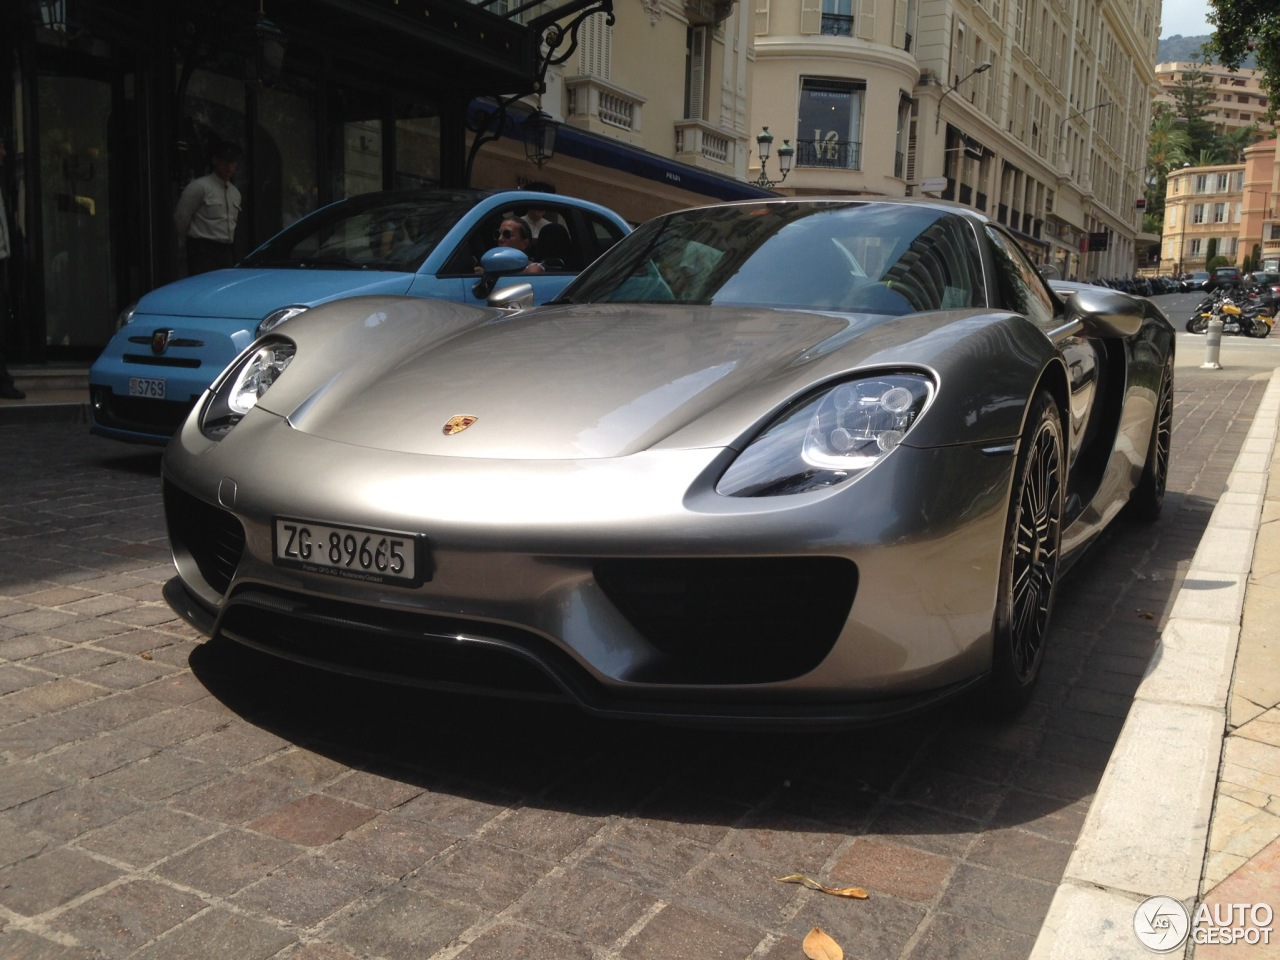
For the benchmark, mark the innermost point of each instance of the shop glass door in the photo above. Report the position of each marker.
(74, 161)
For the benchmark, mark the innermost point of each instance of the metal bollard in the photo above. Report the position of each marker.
(1212, 345)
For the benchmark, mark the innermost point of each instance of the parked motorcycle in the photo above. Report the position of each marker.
(1252, 320)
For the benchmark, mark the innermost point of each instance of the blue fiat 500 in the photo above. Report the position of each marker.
(172, 344)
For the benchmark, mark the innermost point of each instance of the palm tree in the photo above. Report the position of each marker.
(1233, 142)
(1167, 143)
(1167, 146)
(1209, 157)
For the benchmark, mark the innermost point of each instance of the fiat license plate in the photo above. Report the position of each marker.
(353, 553)
(148, 387)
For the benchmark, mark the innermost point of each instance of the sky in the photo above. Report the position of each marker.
(1185, 18)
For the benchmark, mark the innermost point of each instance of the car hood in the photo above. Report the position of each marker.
(564, 382)
(251, 293)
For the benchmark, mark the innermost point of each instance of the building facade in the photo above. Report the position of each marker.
(1202, 217)
(1231, 210)
(1238, 98)
(652, 107)
(1260, 204)
(1033, 111)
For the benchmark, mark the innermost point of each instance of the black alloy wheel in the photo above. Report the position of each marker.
(1148, 496)
(1029, 568)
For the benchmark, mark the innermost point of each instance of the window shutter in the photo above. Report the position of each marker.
(762, 17)
(811, 16)
(910, 172)
(866, 25)
(595, 48)
(697, 72)
(899, 24)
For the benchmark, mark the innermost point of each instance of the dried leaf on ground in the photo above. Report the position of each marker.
(145, 655)
(818, 946)
(853, 893)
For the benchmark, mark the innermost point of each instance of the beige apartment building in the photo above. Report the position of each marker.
(1231, 209)
(653, 111)
(1238, 97)
(1033, 111)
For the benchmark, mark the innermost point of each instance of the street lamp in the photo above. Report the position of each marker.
(785, 153)
(983, 67)
(1062, 127)
(266, 66)
(540, 137)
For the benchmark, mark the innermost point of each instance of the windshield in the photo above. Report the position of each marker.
(369, 232)
(846, 256)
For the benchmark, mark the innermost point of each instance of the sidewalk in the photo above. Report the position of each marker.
(54, 394)
(1189, 804)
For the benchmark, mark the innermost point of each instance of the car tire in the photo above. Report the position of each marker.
(1030, 562)
(1148, 496)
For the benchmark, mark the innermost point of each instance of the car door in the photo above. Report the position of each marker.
(1023, 290)
(456, 277)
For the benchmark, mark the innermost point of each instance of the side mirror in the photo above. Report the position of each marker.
(1105, 314)
(513, 299)
(496, 263)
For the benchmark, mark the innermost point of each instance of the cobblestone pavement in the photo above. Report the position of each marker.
(164, 798)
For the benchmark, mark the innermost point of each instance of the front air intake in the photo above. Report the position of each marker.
(736, 620)
(212, 537)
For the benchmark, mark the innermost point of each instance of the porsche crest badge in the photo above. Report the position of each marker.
(457, 425)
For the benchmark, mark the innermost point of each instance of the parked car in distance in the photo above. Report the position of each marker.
(1266, 283)
(1224, 277)
(1191, 282)
(171, 345)
(794, 460)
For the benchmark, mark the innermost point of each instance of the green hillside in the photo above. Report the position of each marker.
(1179, 47)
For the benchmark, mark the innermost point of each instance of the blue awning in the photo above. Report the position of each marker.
(607, 152)
(616, 155)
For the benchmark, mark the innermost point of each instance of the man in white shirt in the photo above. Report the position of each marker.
(207, 212)
(536, 217)
(7, 388)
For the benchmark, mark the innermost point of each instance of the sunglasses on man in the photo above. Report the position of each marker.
(504, 234)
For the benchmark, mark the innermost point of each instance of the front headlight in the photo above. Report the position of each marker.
(126, 315)
(241, 385)
(830, 438)
(277, 317)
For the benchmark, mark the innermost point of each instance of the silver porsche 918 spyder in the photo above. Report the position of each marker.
(815, 461)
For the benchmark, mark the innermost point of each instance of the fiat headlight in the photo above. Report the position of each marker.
(277, 317)
(126, 315)
(831, 437)
(243, 384)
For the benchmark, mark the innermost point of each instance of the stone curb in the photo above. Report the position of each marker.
(1147, 830)
(11, 413)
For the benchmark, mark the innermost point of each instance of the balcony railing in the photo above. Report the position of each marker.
(836, 25)
(833, 154)
(697, 139)
(593, 99)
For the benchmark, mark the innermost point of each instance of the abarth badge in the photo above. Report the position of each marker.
(457, 425)
(160, 340)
